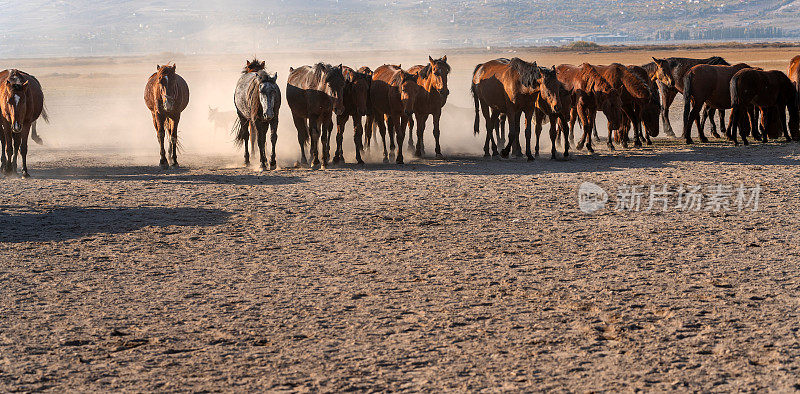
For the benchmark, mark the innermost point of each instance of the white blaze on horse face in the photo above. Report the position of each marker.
(16, 99)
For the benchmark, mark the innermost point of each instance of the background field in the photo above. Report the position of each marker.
(460, 273)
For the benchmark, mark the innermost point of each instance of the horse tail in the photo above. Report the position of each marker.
(241, 131)
(735, 99)
(687, 95)
(474, 89)
(34, 134)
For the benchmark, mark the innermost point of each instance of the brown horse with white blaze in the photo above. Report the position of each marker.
(21, 103)
(314, 93)
(432, 77)
(166, 96)
(356, 101)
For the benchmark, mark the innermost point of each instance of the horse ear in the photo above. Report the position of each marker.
(444, 58)
(274, 76)
(158, 67)
(430, 59)
(291, 69)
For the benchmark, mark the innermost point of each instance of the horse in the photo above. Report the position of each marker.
(356, 100)
(257, 99)
(707, 85)
(669, 74)
(221, 119)
(509, 87)
(555, 113)
(166, 96)
(650, 111)
(772, 92)
(634, 95)
(794, 74)
(591, 92)
(314, 93)
(433, 79)
(21, 104)
(392, 95)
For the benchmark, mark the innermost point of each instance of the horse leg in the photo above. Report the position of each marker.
(564, 127)
(411, 129)
(501, 130)
(390, 125)
(588, 123)
(358, 131)
(8, 146)
(338, 156)
(491, 123)
(382, 130)
(437, 116)
(160, 120)
(752, 114)
(314, 129)
(782, 119)
(734, 123)
(327, 130)
(400, 125)
(173, 126)
(274, 141)
(528, 125)
(667, 97)
(23, 150)
(700, 131)
(421, 120)
(302, 136)
(512, 133)
(4, 143)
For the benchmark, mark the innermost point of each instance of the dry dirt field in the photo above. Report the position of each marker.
(461, 274)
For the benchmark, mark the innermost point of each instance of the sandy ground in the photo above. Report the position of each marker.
(456, 274)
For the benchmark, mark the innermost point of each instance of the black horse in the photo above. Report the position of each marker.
(258, 101)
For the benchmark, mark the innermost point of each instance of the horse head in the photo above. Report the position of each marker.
(212, 112)
(550, 88)
(663, 72)
(611, 104)
(358, 85)
(436, 72)
(15, 92)
(167, 83)
(334, 82)
(651, 113)
(268, 93)
(254, 66)
(408, 86)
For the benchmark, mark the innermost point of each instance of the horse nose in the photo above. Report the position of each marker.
(16, 127)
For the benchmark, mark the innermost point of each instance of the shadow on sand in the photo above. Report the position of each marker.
(152, 173)
(64, 223)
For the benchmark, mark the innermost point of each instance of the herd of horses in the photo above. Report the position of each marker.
(391, 100)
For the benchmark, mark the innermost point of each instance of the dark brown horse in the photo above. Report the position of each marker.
(634, 95)
(771, 91)
(591, 93)
(313, 94)
(21, 103)
(706, 85)
(510, 87)
(558, 114)
(166, 96)
(669, 74)
(433, 79)
(257, 99)
(356, 101)
(392, 95)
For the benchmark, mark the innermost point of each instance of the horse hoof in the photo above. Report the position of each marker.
(689, 141)
(418, 153)
(164, 166)
(439, 156)
(590, 149)
(611, 147)
(175, 165)
(637, 144)
(385, 160)
(25, 175)
(531, 158)
(359, 161)
(273, 166)
(399, 161)
(703, 140)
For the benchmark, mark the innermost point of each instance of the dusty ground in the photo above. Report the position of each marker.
(459, 274)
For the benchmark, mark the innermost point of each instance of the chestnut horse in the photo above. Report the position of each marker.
(794, 74)
(651, 110)
(166, 96)
(21, 103)
(707, 85)
(773, 92)
(669, 74)
(392, 95)
(558, 115)
(313, 94)
(433, 79)
(258, 101)
(591, 92)
(634, 95)
(510, 87)
(356, 100)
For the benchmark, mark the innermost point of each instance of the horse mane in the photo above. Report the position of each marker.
(402, 75)
(527, 72)
(594, 79)
(632, 82)
(254, 66)
(716, 60)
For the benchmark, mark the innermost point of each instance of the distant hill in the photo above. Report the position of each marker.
(82, 27)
